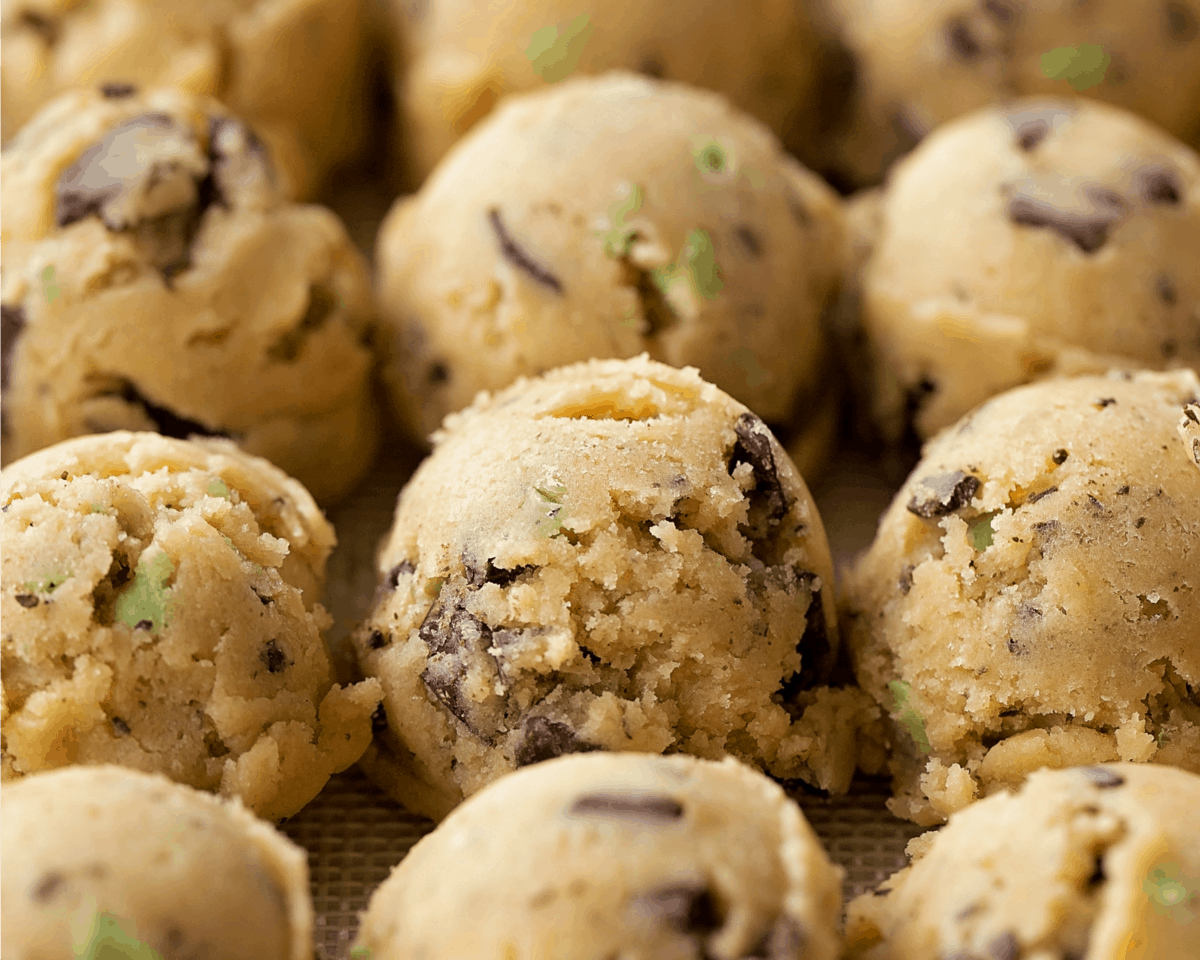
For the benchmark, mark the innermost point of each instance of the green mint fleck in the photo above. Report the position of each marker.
(147, 598)
(49, 287)
(98, 508)
(550, 523)
(108, 941)
(48, 583)
(980, 531)
(1082, 66)
(553, 495)
(619, 238)
(360, 953)
(218, 489)
(1172, 892)
(555, 51)
(744, 357)
(701, 268)
(631, 319)
(1162, 735)
(909, 718)
(711, 157)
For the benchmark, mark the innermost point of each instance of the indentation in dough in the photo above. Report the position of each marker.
(608, 406)
(657, 314)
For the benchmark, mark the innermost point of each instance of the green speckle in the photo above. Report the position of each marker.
(744, 357)
(555, 51)
(107, 941)
(360, 953)
(711, 158)
(1082, 66)
(619, 238)
(702, 262)
(1172, 892)
(48, 583)
(980, 531)
(909, 718)
(631, 319)
(433, 587)
(98, 508)
(147, 597)
(218, 489)
(549, 524)
(553, 495)
(49, 287)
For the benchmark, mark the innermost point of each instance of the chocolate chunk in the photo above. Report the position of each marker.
(1095, 504)
(1031, 133)
(1182, 25)
(322, 304)
(377, 640)
(12, 323)
(657, 313)
(785, 941)
(48, 887)
(273, 657)
(816, 652)
(1102, 402)
(545, 739)
(519, 258)
(1060, 457)
(1098, 876)
(166, 422)
(457, 642)
(379, 720)
(1123, 491)
(437, 374)
(117, 90)
(651, 67)
(27, 600)
(767, 498)
(144, 625)
(962, 39)
(1087, 229)
(1102, 778)
(1016, 649)
(502, 577)
(1164, 286)
(1158, 184)
(905, 581)
(749, 240)
(120, 727)
(686, 907)
(647, 808)
(1140, 522)
(1041, 494)
(943, 494)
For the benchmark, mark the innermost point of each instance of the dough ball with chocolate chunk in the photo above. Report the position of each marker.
(1032, 597)
(1095, 861)
(294, 69)
(606, 217)
(160, 612)
(110, 862)
(459, 58)
(916, 64)
(156, 279)
(615, 556)
(1035, 239)
(635, 856)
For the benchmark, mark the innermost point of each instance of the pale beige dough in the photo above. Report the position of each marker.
(1033, 593)
(605, 217)
(154, 277)
(641, 857)
(1034, 239)
(614, 556)
(160, 611)
(1093, 862)
(100, 858)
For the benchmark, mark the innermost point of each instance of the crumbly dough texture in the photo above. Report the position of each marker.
(154, 277)
(159, 611)
(1092, 862)
(917, 64)
(112, 858)
(642, 857)
(615, 556)
(459, 58)
(606, 217)
(294, 69)
(1032, 595)
(1039, 238)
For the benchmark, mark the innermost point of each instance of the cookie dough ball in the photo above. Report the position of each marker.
(159, 609)
(607, 217)
(630, 855)
(1044, 237)
(615, 556)
(1032, 594)
(921, 63)
(1099, 861)
(154, 278)
(460, 57)
(294, 69)
(119, 863)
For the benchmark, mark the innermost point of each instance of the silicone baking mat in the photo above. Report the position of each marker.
(355, 835)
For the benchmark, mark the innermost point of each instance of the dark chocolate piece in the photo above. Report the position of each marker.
(1041, 494)
(687, 908)
(651, 67)
(437, 374)
(749, 239)
(44, 27)
(117, 91)
(377, 640)
(379, 720)
(322, 304)
(1158, 184)
(943, 494)
(519, 258)
(166, 422)
(1032, 133)
(1182, 25)
(120, 727)
(1098, 876)
(502, 577)
(48, 887)
(767, 498)
(1087, 229)
(816, 652)
(27, 600)
(452, 634)
(962, 40)
(905, 581)
(545, 739)
(1060, 457)
(1102, 777)
(12, 323)
(273, 657)
(647, 808)
(144, 625)
(1016, 649)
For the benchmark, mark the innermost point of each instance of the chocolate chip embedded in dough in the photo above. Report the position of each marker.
(940, 495)
(545, 739)
(12, 324)
(1087, 228)
(379, 721)
(962, 40)
(1102, 777)
(650, 809)
(1181, 21)
(117, 91)
(519, 258)
(1159, 185)
(750, 240)
(768, 502)
(689, 908)
(166, 421)
(27, 600)
(273, 657)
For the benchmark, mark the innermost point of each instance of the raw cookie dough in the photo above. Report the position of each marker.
(159, 611)
(459, 57)
(1043, 237)
(916, 64)
(609, 216)
(642, 857)
(157, 280)
(117, 863)
(615, 556)
(1094, 862)
(294, 69)
(1032, 595)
